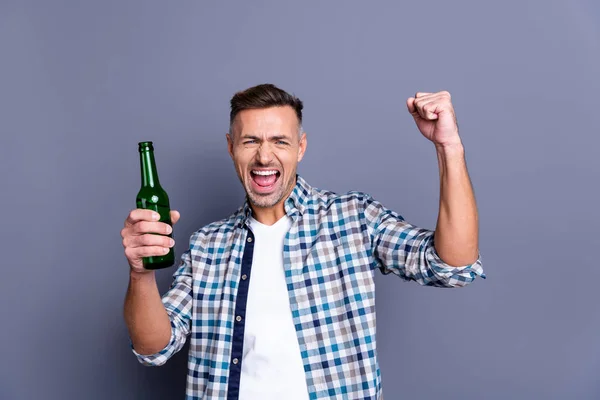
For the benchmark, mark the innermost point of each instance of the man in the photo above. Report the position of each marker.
(278, 298)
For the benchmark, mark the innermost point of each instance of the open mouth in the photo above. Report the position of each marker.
(264, 180)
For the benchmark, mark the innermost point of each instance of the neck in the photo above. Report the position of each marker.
(268, 216)
(148, 169)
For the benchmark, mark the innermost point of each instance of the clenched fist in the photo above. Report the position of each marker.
(435, 118)
(143, 237)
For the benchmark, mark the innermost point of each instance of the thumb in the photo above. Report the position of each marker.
(410, 104)
(175, 216)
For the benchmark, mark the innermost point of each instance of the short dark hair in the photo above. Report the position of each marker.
(264, 96)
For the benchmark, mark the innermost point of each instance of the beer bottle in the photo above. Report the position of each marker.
(153, 197)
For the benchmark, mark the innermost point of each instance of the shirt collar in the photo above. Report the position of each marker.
(296, 201)
(299, 197)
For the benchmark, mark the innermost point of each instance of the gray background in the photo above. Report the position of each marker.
(82, 82)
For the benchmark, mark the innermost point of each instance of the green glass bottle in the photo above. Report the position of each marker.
(153, 197)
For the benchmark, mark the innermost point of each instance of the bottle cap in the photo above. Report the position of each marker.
(145, 146)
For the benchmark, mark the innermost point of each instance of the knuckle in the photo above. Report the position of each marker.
(146, 240)
(155, 240)
(145, 251)
(155, 251)
(142, 226)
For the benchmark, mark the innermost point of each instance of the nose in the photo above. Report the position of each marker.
(264, 154)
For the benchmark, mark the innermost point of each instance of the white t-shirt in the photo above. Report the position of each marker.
(272, 367)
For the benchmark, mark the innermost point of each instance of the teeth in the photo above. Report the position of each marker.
(264, 173)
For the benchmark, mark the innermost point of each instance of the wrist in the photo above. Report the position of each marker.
(450, 149)
(142, 276)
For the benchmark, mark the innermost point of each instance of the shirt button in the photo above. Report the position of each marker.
(235, 361)
(244, 277)
(249, 239)
(238, 318)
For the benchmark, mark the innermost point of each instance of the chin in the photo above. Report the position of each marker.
(264, 200)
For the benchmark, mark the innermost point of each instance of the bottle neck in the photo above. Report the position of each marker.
(148, 168)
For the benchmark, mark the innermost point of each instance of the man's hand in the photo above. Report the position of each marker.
(140, 239)
(435, 118)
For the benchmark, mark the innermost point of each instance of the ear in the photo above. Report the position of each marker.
(302, 146)
(229, 144)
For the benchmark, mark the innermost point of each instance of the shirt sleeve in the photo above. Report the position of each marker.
(408, 251)
(178, 303)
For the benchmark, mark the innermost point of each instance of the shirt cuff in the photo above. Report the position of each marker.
(158, 358)
(454, 276)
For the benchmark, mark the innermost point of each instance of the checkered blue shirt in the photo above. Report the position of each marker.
(331, 252)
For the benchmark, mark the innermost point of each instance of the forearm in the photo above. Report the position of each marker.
(457, 230)
(145, 315)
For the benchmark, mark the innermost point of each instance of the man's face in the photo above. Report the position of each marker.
(265, 148)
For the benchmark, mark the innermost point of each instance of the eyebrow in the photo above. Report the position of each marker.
(273, 138)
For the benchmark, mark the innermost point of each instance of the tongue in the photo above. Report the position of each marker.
(263, 180)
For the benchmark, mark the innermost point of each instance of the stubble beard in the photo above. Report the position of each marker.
(270, 200)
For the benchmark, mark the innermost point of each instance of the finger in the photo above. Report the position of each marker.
(143, 227)
(431, 110)
(175, 216)
(418, 106)
(444, 93)
(149, 251)
(146, 251)
(422, 94)
(428, 108)
(148, 240)
(140, 214)
(429, 98)
(442, 96)
(425, 98)
(410, 104)
(439, 97)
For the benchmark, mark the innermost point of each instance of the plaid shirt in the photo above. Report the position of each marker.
(330, 254)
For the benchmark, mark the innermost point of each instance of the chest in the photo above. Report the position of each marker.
(324, 260)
